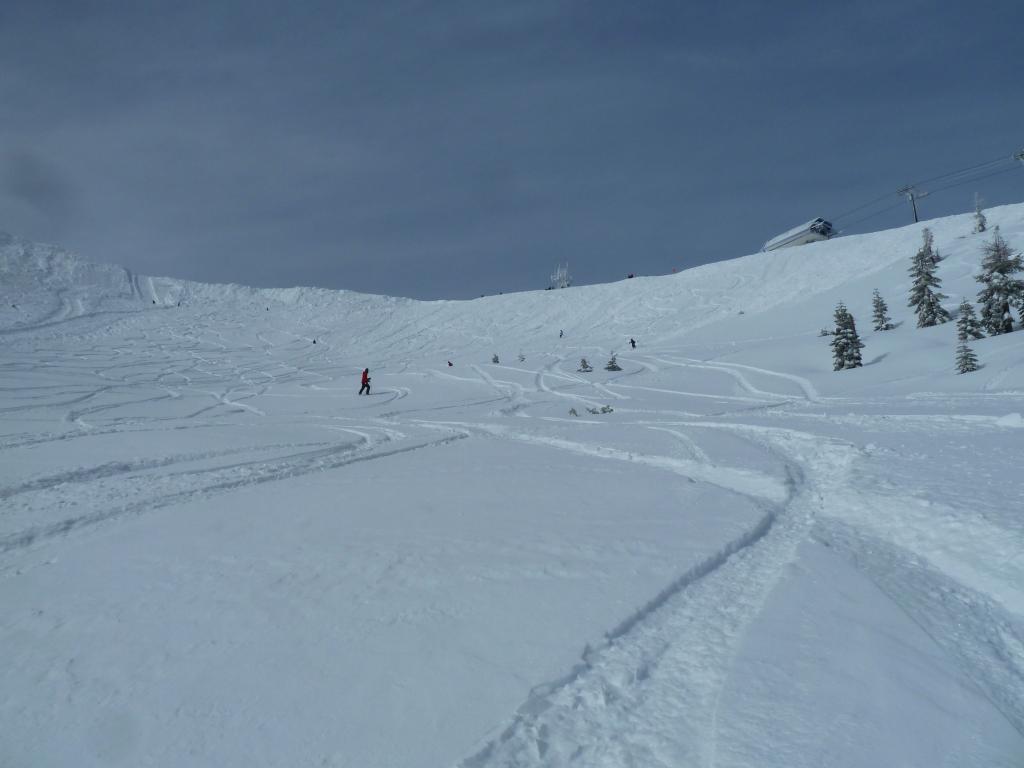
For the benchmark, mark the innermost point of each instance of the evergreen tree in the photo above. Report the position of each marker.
(881, 312)
(980, 222)
(1001, 289)
(967, 326)
(612, 364)
(584, 366)
(846, 344)
(966, 360)
(928, 249)
(925, 297)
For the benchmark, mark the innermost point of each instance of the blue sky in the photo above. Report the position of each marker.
(451, 149)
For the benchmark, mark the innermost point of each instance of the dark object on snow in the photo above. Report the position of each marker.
(584, 366)
(449, 363)
(366, 381)
(632, 343)
(154, 301)
(613, 364)
(314, 341)
(629, 276)
(561, 334)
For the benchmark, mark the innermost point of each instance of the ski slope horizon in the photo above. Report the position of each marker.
(214, 552)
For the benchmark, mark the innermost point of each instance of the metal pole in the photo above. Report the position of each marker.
(909, 191)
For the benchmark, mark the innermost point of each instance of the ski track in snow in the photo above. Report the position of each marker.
(650, 692)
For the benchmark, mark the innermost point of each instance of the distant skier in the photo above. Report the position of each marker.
(561, 334)
(449, 363)
(314, 341)
(366, 381)
(632, 343)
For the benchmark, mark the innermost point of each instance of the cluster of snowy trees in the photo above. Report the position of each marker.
(1001, 292)
(611, 365)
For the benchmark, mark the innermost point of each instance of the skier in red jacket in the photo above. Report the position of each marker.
(366, 381)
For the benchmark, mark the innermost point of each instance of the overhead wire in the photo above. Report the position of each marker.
(972, 179)
(997, 160)
(967, 175)
(871, 215)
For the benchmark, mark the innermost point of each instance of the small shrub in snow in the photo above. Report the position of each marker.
(1001, 289)
(612, 364)
(584, 366)
(602, 409)
(881, 312)
(846, 344)
(572, 412)
(966, 360)
(495, 360)
(522, 358)
(925, 298)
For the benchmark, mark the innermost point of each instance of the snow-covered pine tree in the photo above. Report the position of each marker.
(1001, 289)
(966, 360)
(838, 342)
(980, 222)
(522, 358)
(854, 344)
(925, 297)
(928, 249)
(584, 366)
(881, 312)
(495, 360)
(846, 344)
(967, 325)
(613, 364)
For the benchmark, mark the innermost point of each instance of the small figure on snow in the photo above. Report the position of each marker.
(632, 343)
(449, 363)
(366, 381)
(561, 334)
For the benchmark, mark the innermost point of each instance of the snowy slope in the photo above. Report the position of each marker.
(213, 552)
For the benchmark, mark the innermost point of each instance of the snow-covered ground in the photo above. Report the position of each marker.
(213, 552)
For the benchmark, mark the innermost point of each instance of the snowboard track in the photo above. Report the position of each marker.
(302, 464)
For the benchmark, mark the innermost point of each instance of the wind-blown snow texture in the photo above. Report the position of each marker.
(214, 553)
